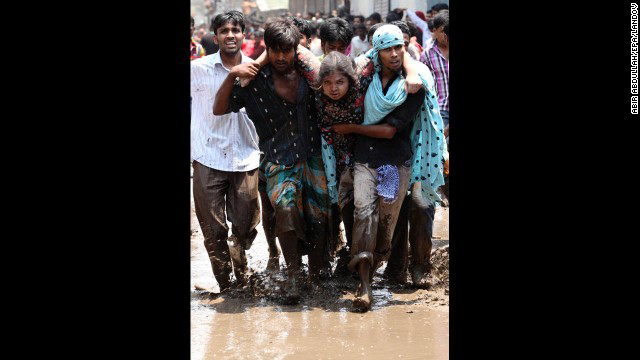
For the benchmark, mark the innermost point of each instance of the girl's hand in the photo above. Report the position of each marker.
(412, 83)
(341, 128)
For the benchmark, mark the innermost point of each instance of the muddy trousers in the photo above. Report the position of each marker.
(374, 220)
(414, 227)
(215, 191)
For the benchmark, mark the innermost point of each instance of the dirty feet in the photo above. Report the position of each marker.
(273, 264)
(292, 294)
(419, 279)
(363, 299)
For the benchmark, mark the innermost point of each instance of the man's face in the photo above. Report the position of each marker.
(369, 24)
(391, 57)
(356, 21)
(335, 85)
(338, 46)
(406, 40)
(439, 35)
(361, 33)
(281, 60)
(229, 37)
(304, 41)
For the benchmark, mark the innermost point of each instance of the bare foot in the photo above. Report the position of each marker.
(273, 265)
(363, 302)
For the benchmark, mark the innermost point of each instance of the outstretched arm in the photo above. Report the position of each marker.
(382, 131)
(221, 103)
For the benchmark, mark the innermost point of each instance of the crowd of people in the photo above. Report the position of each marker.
(327, 120)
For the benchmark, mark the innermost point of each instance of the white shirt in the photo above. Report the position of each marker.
(228, 142)
(358, 47)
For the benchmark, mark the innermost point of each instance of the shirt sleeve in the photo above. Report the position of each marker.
(405, 114)
(309, 65)
(419, 23)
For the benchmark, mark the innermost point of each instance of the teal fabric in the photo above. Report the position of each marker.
(428, 142)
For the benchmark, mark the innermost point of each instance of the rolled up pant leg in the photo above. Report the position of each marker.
(209, 189)
(421, 215)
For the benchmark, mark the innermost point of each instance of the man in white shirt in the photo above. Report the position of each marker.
(225, 155)
(359, 43)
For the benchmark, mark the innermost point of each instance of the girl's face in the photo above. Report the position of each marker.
(335, 85)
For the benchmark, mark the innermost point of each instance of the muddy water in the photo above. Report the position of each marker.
(233, 329)
(404, 322)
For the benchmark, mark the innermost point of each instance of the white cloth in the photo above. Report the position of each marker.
(426, 34)
(358, 47)
(228, 142)
(316, 47)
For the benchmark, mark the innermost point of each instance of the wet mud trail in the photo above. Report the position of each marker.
(252, 323)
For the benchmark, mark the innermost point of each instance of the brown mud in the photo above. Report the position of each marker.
(252, 322)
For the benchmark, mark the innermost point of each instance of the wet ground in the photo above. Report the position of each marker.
(404, 322)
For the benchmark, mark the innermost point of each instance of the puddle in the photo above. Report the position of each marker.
(404, 322)
(233, 328)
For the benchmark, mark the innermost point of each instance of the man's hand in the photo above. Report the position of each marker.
(246, 71)
(342, 128)
(412, 83)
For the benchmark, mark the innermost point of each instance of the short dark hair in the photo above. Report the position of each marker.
(303, 26)
(234, 17)
(393, 16)
(375, 16)
(359, 26)
(336, 29)
(430, 25)
(281, 34)
(373, 29)
(360, 17)
(439, 7)
(349, 18)
(193, 22)
(313, 28)
(403, 26)
(441, 19)
(413, 29)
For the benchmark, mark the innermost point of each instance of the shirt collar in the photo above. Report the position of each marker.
(216, 59)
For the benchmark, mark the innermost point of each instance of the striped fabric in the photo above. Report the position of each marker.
(439, 66)
(228, 142)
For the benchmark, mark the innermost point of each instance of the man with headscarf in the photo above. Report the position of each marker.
(400, 143)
